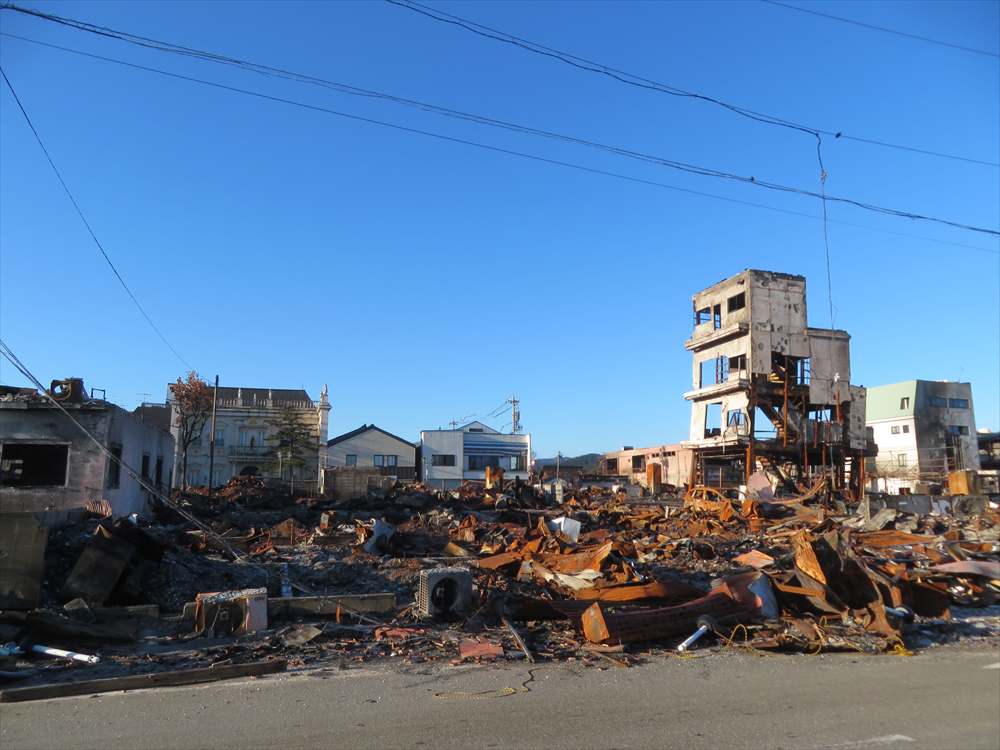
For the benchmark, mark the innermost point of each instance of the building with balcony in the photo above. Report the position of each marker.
(770, 392)
(372, 447)
(450, 457)
(245, 425)
(924, 429)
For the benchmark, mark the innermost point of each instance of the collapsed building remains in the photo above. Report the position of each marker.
(770, 392)
(49, 467)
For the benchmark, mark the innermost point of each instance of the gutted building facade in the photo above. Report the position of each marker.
(924, 429)
(769, 391)
(245, 425)
(674, 462)
(48, 466)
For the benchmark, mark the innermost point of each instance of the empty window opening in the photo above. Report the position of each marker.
(738, 363)
(145, 466)
(611, 465)
(115, 468)
(737, 302)
(713, 419)
(476, 429)
(904, 402)
(638, 463)
(159, 470)
(33, 465)
(906, 428)
(443, 459)
(803, 371)
(713, 371)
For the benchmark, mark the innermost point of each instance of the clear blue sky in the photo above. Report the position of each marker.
(426, 281)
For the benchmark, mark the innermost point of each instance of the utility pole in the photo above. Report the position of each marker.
(515, 415)
(211, 438)
(558, 458)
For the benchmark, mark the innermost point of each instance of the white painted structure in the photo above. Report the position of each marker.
(244, 429)
(450, 457)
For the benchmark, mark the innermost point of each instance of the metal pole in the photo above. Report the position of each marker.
(211, 440)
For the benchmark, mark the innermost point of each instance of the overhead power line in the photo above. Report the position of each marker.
(883, 28)
(86, 223)
(143, 482)
(673, 164)
(638, 81)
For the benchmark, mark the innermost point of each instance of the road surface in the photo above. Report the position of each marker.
(943, 698)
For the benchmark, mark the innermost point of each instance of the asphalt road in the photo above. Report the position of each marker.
(944, 698)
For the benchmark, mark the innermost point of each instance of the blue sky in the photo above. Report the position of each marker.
(426, 281)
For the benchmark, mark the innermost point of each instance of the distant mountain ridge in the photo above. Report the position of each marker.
(587, 459)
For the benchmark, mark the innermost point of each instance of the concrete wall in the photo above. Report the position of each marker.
(88, 467)
(368, 444)
(436, 442)
(675, 460)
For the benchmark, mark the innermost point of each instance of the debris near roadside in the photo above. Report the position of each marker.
(482, 575)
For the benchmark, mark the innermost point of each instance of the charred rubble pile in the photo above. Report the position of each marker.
(249, 580)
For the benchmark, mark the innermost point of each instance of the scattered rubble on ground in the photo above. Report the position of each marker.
(482, 576)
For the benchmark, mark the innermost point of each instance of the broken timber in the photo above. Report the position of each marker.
(139, 681)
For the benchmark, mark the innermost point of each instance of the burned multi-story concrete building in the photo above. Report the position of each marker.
(770, 392)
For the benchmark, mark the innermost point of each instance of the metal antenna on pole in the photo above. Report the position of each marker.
(515, 415)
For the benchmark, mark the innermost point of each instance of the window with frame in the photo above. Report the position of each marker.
(33, 464)
(638, 463)
(378, 460)
(937, 401)
(958, 403)
(703, 315)
(904, 402)
(735, 418)
(518, 463)
(220, 436)
(351, 459)
(736, 302)
(391, 460)
(958, 429)
(479, 463)
(443, 459)
(894, 429)
(901, 460)
(906, 428)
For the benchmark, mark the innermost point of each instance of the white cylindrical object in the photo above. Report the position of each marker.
(50, 651)
(692, 639)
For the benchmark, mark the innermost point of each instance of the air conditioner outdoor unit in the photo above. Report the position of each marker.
(444, 592)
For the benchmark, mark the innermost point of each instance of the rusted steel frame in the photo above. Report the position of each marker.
(784, 410)
(662, 590)
(600, 626)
